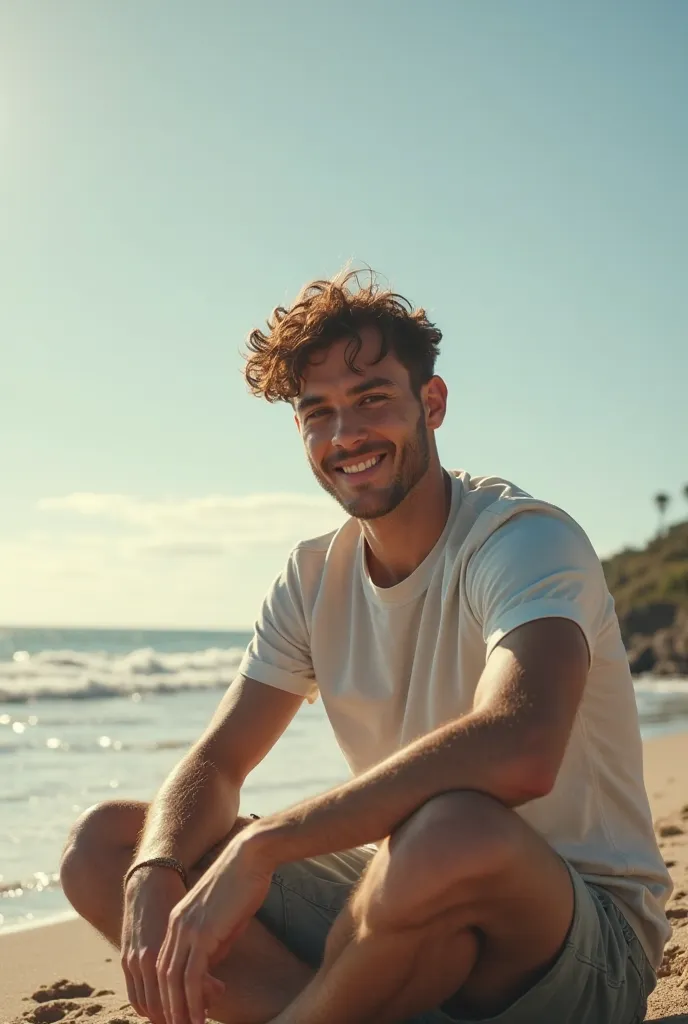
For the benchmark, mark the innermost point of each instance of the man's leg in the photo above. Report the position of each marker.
(465, 906)
(260, 974)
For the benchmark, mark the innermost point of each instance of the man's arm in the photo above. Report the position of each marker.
(509, 746)
(196, 806)
(199, 802)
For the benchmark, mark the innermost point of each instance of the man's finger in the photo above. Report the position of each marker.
(175, 981)
(139, 1000)
(214, 986)
(131, 989)
(194, 977)
(161, 971)
(149, 977)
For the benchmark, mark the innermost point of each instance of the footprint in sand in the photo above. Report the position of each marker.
(668, 965)
(670, 830)
(62, 989)
(47, 1013)
(56, 1003)
(678, 915)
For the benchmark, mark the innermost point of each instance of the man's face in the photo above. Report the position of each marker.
(366, 435)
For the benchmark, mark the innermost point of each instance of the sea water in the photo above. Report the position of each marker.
(91, 715)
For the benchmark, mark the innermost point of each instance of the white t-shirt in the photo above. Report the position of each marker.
(395, 663)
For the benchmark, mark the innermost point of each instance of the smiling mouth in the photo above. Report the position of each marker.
(363, 467)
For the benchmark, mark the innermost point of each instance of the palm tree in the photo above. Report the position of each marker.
(661, 501)
(685, 491)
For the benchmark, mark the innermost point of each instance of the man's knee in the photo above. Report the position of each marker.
(110, 823)
(102, 842)
(461, 831)
(105, 829)
(452, 846)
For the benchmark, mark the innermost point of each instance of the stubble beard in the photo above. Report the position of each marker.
(413, 465)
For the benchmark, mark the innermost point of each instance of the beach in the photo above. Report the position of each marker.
(66, 972)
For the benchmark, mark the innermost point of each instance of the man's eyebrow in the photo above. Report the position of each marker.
(373, 382)
(358, 389)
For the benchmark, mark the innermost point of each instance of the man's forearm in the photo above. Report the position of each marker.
(475, 753)
(195, 808)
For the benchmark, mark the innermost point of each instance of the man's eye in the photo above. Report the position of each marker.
(315, 413)
(373, 398)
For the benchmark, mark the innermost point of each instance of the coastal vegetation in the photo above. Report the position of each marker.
(650, 591)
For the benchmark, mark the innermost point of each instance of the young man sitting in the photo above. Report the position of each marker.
(492, 856)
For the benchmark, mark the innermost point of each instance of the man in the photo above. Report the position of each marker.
(493, 855)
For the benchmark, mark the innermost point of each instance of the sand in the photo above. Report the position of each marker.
(66, 972)
(666, 777)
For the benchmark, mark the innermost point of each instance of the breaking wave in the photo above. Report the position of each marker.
(50, 675)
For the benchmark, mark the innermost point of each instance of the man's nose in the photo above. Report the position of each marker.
(348, 430)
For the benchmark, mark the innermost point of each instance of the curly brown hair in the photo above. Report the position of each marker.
(327, 311)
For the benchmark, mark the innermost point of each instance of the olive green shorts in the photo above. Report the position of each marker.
(601, 975)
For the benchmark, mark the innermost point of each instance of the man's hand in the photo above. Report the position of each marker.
(204, 925)
(149, 898)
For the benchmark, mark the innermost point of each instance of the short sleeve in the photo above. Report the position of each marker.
(279, 653)
(535, 566)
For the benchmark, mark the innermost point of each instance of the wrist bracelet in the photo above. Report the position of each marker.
(159, 862)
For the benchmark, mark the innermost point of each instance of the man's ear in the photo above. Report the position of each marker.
(435, 401)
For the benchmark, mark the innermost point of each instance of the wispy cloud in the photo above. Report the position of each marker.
(203, 526)
(117, 558)
(185, 549)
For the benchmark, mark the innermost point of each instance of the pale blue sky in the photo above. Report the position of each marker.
(170, 171)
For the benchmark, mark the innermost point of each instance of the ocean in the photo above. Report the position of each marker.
(89, 715)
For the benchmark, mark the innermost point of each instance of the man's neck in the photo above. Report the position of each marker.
(397, 544)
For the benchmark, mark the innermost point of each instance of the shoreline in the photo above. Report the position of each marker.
(44, 922)
(61, 969)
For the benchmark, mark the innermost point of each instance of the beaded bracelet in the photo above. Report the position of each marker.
(159, 862)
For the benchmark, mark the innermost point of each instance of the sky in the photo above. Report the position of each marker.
(171, 171)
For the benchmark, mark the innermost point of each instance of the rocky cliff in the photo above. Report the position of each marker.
(650, 590)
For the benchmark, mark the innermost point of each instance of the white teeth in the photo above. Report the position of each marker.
(360, 466)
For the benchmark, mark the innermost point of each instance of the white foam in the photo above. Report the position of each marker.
(77, 674)
(24, 925)
(658, 685)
